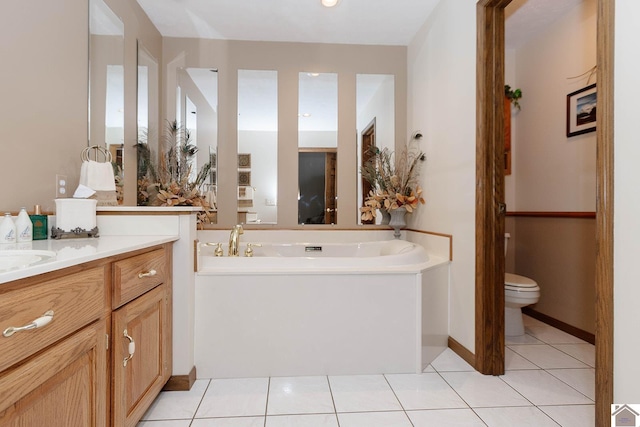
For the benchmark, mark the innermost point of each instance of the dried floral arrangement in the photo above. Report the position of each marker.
(394, 179)
(169, 182)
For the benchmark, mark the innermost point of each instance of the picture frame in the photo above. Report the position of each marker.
(244, 178)
(581, 111)
(244, 161)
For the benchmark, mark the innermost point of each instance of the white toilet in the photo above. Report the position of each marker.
(519, 291)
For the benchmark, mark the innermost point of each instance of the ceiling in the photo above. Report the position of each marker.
(524, 19)
(378, 22)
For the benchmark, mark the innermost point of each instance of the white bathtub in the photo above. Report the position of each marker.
(318, 258)
(320, 309)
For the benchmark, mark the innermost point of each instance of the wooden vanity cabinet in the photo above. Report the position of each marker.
(64, 386)
(71, 371)
(55, 375)
(141, 333)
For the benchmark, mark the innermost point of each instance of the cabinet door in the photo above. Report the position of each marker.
(63, 386)
(141, 349)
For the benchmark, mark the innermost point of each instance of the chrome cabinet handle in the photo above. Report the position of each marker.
(132, 348)
(149, 273)
(44, 320)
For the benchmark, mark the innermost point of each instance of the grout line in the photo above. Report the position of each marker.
(266, 403)
(571, 355)
(461, 398)
(513, 388)
(206, 389)
(201, 399)
(564, 382)
(404, 411)
(333, 401)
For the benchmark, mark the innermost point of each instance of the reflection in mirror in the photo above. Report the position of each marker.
(257, 146)
(317, 147)
(198, 110)
(106, 85)
(148, 102)
(375, 110)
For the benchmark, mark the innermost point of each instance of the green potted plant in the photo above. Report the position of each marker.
(513, 95)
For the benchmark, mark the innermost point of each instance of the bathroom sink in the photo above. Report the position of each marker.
(17, 259)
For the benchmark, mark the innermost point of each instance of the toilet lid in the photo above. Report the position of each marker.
(517, 281)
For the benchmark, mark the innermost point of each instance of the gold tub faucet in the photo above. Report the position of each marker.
(234, 240)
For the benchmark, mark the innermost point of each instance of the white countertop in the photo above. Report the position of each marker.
(70, 252)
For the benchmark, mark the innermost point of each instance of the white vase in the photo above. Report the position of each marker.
(386, 216)
(397, 220)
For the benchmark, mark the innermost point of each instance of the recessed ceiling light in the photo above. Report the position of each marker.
(329, 3)
(304, 115)
(313, 74)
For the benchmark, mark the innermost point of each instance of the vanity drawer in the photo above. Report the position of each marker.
(76, 300)
(136, 275)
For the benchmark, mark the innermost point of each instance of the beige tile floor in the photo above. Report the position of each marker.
(549, 381)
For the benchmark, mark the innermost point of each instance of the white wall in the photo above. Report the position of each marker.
(317, 139)
(627, 203)
(263, 147)
(553, 172)
(441, 96)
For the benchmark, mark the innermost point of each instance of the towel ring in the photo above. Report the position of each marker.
(95, 150)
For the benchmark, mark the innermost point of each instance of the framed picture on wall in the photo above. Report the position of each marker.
(244, 161)
(581, 111)
(244, 178)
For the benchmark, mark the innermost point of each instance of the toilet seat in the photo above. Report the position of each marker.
(514, 282)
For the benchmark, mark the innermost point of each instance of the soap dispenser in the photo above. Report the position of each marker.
(40, 227)
(24, 227)
(7, 229)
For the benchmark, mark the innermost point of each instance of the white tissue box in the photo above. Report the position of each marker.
(76, 213)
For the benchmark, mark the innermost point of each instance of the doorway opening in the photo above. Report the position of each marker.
(317, 186)
(490, 207)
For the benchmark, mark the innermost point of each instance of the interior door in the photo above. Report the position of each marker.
(331, 159)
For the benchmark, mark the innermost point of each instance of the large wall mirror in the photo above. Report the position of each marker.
(148, 104)
(375, 116)
(197, 116)
(106, 85)
(257, 167)
(317, 147)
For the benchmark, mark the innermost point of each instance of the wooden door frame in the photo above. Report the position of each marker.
(489, 331)
(489, 316)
